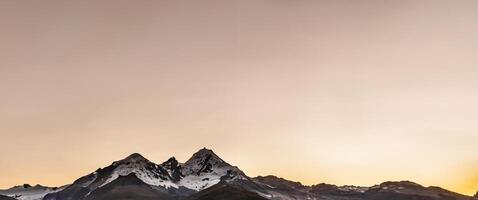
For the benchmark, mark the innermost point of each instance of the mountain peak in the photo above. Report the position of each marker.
(204, 151)
(278, 182)
(407, 184)
(28, 186)
(203, 161)
(133, 158)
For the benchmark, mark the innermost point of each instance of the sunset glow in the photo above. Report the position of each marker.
(342, 92)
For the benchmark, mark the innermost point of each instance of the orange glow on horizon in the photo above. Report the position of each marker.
(344, 92)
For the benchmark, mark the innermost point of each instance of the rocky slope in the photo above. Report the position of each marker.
(2, 197)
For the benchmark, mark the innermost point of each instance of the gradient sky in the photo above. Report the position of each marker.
(344, 92)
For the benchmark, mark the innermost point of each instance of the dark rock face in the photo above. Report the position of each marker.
(410, 190)
(279, 182)
(403, 190)
(225, 191)
(173, 165)
(81, 187)
(6, 198)
(325, 189)
(127, 187)
(279, 188)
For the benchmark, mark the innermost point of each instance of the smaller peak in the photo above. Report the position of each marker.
(133, 158)
(401, 184)
(172, 159)
(278, 181)
(325, 185)
(23, 186)
(170, 162)
(205, 160)
(28, 186)
(39, 186)
(205, 150)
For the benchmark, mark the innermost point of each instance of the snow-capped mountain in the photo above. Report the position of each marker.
(147, 171)
(204, 169)
(205, 176)
(28, 192)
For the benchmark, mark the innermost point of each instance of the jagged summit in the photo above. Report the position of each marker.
(203, 153)
(171, 162)
(203, 161)
(205, 169)
(174, 169)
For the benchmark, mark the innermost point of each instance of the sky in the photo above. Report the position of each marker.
(343, 92)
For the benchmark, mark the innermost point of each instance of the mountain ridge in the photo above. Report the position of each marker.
(205, 174)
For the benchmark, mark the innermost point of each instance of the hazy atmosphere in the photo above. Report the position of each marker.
(343, 92)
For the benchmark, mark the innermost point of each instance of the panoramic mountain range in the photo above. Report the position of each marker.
(205, 176)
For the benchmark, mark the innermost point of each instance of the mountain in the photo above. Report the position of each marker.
(410, 190)
(402, 190)
(28, 192)
(205, 176)
(203, 170)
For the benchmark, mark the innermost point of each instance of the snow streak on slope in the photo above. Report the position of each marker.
(148, 172)
(205, 169)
